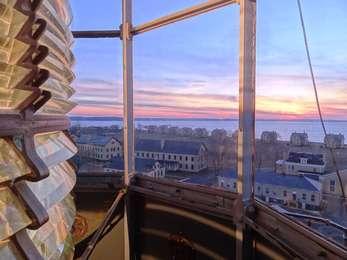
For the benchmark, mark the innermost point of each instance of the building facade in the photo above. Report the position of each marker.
(298, 163)
(334, 141)
(293, 191)
(331, 184)
(101, 148)
(299, 139)
(269, 137)
(182, 155)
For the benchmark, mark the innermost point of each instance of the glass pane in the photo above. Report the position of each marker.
(12, 75)
(11, 21)
(54, 148)
(57, 70)
(63, 9)
(145, 11)
(56, 186)
(186, 99)
(13, 214)
(55, 24)
(295, 172)
(58, 89)
(11, 50)
(58, 47)
(12, 164)
(8, 250)
(57, 106)
(103, 15)
(50, 238)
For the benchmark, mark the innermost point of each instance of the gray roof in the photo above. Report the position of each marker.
(169, 146)
(95, 140)
(316, 159)
(149, 145)
(272, 178)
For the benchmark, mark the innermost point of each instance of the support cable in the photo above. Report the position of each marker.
(317, 99)
(106, 222)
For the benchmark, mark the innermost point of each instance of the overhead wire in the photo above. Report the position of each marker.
(317, 98)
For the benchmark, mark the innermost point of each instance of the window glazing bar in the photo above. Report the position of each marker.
(97, 34)
(246, 131)
(182, 15)
(128, 111)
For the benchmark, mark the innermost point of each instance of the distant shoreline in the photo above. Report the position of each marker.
(107, 118)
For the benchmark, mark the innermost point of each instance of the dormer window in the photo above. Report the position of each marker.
(303, 160)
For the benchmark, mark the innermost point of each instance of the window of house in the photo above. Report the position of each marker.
(169, 156)
(192, 159)
(234, 185)
(192, 167)
(186, 158)
(313, 198)
(332, 185)
(304, 196)
(175, 157)
(267, 190)
(294, 196)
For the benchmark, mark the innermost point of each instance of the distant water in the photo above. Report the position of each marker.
(284, 128)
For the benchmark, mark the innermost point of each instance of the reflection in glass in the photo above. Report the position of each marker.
(12, 164)
(13, 214)
(54, 148)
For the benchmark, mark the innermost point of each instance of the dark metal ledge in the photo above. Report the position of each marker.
(293, 237)
(215, 202)
(16, 124)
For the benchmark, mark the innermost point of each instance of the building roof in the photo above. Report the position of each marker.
(141, 165)
(182, 147)
(316, 159)
(269, 177)
(95, 140)
(149, 145)
(168, 146)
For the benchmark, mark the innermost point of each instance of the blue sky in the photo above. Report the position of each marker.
(190, 69)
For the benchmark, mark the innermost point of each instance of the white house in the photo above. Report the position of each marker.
(331, 184)
(298, 163)
(296, 191)
(101, 148)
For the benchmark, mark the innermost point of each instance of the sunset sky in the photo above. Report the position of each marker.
(190, 69)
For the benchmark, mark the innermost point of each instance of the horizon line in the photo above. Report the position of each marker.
(119, 118)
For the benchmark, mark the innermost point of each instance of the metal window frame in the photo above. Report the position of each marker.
(246, 137)
(247, 212)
